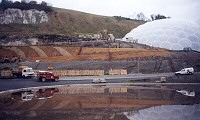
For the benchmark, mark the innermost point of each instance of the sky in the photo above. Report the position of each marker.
(179, 9)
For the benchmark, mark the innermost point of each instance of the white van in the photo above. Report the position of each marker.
(185, 71)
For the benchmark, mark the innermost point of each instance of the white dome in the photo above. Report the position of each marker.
(167, 33)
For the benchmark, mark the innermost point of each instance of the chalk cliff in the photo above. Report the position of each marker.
(23, 16)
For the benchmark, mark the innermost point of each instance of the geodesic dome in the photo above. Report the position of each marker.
(167, 33)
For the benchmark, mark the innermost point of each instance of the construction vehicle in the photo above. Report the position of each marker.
(23, 72)
(20, 72)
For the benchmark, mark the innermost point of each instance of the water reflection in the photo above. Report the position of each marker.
(97, 102)
(28, 95)
(46, 93)
(166, 112)
(187, 92)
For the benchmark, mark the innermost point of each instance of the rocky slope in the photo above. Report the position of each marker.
(61, 21)
(23, 16)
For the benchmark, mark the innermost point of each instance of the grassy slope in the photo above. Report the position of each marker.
(70, 22)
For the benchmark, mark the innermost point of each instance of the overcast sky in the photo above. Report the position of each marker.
(181, 9)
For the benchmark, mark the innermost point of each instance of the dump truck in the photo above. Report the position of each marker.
(20, 72)
(23, 72)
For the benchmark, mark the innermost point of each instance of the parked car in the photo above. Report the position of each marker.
(47, 75)
(99, 80)
(185, 71)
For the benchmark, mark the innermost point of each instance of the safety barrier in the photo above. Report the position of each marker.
(118, 72)
(6, 73)
(118, 90)
(78, 72)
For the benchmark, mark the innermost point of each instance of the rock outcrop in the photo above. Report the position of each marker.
(23, 16)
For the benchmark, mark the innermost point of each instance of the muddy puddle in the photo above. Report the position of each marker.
(101, 103)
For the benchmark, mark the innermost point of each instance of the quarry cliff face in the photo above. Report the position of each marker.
(23, 16)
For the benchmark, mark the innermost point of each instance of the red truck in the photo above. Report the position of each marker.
(47, 75)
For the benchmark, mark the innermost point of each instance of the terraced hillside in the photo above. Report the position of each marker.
(60, 53)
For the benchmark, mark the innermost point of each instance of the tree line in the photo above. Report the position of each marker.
(25, 5)
(158, 17)
(120, 18)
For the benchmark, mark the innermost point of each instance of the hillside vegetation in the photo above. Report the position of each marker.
(71, 23)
